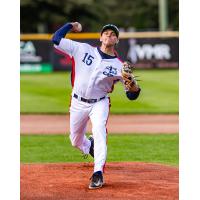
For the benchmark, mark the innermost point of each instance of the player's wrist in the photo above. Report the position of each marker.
(70, 25)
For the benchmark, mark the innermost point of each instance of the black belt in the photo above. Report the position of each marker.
(88, 100)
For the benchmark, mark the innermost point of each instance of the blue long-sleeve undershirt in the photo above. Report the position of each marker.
(60, 33)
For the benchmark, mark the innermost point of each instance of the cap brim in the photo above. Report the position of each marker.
(112, 28)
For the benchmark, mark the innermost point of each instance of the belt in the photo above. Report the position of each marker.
(88, 100)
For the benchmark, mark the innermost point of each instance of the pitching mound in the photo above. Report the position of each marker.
(134, 180)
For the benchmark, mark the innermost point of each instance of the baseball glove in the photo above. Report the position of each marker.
(128, 77)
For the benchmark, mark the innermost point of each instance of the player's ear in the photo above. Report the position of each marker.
(117, 41)
(100, 39)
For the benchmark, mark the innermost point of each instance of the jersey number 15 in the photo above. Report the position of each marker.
(88, 59)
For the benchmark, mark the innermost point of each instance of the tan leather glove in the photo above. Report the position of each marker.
(128, 77)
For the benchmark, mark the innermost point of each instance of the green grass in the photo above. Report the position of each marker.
(135, 147)
(50, 93)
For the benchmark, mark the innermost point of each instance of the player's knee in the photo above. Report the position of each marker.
(99, 127)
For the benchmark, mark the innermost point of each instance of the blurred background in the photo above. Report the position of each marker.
(45, 16)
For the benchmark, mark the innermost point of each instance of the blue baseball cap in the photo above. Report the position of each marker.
(112, 27)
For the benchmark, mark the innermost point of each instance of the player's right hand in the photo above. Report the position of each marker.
(77, 27)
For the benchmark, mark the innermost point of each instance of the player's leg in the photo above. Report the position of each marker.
(78, 123)
(99, 115)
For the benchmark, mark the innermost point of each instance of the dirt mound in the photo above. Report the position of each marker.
(133, 180)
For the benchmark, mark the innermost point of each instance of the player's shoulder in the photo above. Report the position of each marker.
(83, 44)
(86, 45)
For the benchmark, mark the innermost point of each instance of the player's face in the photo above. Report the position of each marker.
(108, 38)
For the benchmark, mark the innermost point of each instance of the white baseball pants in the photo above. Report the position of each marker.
(80, 113)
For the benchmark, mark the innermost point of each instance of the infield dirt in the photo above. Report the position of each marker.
(133, 180)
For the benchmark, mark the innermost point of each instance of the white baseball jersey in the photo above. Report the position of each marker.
(93, 76)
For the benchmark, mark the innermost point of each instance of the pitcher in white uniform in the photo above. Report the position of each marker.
(95, 70)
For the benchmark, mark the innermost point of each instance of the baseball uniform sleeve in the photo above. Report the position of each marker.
(68, 46)
(60, 33)
(64, 45)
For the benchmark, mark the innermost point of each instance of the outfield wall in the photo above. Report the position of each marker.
(144, 49)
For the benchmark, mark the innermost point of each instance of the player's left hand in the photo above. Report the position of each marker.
(128, 77)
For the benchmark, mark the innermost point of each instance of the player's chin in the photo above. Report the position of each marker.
(110, 44)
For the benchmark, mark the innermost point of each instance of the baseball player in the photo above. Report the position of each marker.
(95, 70)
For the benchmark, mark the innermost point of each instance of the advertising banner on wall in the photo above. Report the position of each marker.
(41, 56)
(35, 56)
(151, 52)
(143, 52)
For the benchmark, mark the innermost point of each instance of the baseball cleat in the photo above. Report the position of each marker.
(91, 152)
(96, 180)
